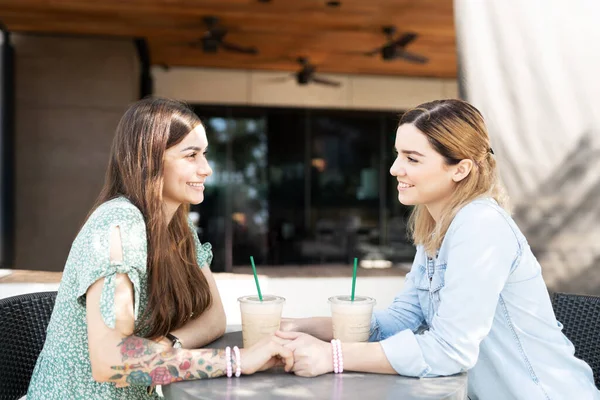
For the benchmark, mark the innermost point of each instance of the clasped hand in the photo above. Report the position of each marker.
(300, 353)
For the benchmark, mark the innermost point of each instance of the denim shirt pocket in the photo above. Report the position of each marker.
(429, 282)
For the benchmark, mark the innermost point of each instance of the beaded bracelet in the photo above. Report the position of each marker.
(238, 361)
(228, 361)
(338, 358)
(335, 356)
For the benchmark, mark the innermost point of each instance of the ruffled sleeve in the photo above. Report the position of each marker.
(204, 253)
(95, 244)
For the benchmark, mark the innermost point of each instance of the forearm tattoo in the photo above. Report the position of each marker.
(147, 363)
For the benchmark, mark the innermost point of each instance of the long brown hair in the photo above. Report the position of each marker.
(177, 289)
(456, 130)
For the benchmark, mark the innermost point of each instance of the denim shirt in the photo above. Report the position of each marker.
(482, 306)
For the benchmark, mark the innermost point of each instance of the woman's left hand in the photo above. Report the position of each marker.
(312, 357)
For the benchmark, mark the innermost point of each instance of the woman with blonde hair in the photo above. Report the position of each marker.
(137, 295)
(474, 299)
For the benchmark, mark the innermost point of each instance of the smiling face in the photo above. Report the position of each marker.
(422, 173)
(185, 170)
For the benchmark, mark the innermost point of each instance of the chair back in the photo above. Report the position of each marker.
(580, 315)
(23, 323)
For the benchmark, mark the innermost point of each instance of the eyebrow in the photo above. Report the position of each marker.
(195, 148)
(412, 152)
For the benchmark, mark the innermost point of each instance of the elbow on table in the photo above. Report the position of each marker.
(101, 373)
(467, 361)
(454, 367)
(102, 367)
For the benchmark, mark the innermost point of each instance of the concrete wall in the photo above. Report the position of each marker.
(268, 88)
(70, 94)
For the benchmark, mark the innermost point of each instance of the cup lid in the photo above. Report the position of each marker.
(345, 299)
(267, 298)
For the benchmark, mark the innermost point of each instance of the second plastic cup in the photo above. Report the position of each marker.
(260, 318)
(351, 319)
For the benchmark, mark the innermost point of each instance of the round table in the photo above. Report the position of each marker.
(277, 384)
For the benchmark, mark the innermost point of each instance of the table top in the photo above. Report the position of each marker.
(277, 384)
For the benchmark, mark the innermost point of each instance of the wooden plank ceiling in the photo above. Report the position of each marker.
(334, 38)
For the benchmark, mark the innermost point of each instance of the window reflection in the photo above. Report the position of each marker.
(293, 186)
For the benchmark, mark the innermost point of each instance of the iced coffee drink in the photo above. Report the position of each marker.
(260, 318)
(351, 319)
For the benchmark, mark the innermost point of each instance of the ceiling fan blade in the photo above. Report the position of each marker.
(412, 57)
(239, 49)
(324, 81)
(405, 39)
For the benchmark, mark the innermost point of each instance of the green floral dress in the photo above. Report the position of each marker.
(63, 369)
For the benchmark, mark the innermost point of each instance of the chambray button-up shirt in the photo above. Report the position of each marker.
(482, 306)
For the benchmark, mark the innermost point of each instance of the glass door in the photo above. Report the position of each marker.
(234, 216)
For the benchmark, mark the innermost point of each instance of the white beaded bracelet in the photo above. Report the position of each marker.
(340, 357)
(228, 361)
(335, 351)
(238, 362)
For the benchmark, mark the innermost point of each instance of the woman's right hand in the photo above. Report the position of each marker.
(265, 354)
(312, 357)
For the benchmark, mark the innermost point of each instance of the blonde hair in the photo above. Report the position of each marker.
(456, 130)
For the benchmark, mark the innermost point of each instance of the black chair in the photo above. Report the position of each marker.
(23, 323)
(580, 315)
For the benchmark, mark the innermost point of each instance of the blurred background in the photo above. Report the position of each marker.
(300, 100)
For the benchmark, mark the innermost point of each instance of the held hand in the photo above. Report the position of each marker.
(312, 357)
(265, 354)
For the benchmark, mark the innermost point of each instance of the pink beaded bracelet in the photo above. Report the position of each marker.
(334, 355)
(238, 361)
(338, 358)
(228, 361)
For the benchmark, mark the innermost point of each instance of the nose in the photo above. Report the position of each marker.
(204, 168)
(397, 169)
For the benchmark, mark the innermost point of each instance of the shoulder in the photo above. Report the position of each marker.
(119, 208)
(118, 211)
(94, 240)
(483, 210)
(484, 216)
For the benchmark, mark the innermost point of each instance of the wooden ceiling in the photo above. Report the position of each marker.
(334, 38)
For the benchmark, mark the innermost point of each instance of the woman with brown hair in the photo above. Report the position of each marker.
(475, 299)
(137, 293)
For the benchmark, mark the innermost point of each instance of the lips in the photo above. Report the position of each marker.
(402, 185)
(198, 185)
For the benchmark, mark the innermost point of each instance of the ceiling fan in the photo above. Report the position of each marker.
(306, 74)
(395, 47)
(213, 39)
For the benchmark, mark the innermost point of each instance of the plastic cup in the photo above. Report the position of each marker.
(260, 318)
(351, 319)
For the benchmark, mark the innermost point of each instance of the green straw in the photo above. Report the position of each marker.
(258, 286)
(354, 278)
